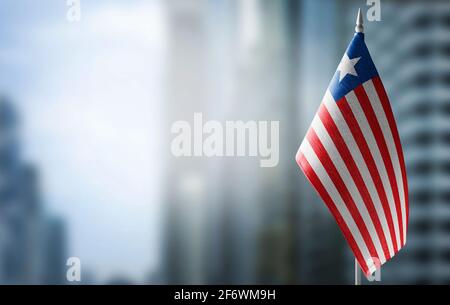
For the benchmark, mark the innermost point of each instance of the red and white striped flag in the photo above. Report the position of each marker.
(353, 157)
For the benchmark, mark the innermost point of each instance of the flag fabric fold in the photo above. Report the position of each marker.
(353, 157)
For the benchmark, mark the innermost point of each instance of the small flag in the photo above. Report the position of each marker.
(353, 157)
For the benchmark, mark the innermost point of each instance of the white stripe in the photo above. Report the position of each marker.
(389, 139)
(326, 181)
(357, 156)
(370, 139)
(343, 172)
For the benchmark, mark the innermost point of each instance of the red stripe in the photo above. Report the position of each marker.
(333, 173)
(350, 163)
(357, 134)
(390, 117)
(381, 143)
(315, 181)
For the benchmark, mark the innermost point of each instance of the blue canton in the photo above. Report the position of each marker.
(365, 69)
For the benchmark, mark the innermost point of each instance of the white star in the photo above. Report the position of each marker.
(347, 66)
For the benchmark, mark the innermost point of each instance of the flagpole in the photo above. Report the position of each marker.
(359, 28)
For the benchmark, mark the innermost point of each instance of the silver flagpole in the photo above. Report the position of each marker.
(359, 28)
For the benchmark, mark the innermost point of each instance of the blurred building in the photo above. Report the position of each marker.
(221, 226)
(31, 247)
(185, 231)
(240, 60)
(54, 248)
(325, 257)
(259, 223)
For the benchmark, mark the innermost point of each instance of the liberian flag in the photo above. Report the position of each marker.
(353, 157)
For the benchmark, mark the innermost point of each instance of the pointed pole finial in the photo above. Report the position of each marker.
(359, 28)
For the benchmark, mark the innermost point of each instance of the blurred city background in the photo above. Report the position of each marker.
(85, 163)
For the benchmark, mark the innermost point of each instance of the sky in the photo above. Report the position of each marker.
(90, 97)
